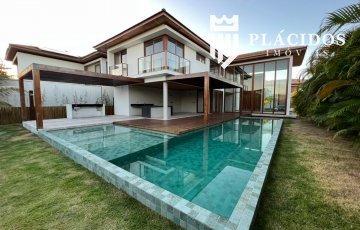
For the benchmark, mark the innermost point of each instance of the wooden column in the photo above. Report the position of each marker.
(206, 96)
(22, 99)
(37, 97)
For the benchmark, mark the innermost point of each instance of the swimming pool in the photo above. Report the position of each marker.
(211, 178)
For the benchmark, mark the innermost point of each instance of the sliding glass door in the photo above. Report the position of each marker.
(265, 87)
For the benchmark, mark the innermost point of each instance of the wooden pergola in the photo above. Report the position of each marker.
(37, 73)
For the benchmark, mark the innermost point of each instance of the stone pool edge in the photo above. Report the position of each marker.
(244, 211)
(180, 211)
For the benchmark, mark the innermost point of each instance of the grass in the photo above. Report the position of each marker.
(41, 188)
(313, 183)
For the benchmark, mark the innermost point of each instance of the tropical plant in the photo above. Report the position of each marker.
(4, 90)
(342, 17)
(331, 94)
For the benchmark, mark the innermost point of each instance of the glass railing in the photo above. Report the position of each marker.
(119, 69)
(229, 74)
(162, 61)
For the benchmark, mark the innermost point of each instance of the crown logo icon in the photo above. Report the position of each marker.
(224, 23)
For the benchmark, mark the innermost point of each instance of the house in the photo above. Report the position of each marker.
(160, 68)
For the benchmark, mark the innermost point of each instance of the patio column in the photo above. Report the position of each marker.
(22, 99)
(165, 101)
(206, 96)
(37, 99)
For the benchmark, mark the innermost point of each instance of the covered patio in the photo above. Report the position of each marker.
(38, 73)
(205, 81)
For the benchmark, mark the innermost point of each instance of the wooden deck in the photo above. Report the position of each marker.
(178, 126)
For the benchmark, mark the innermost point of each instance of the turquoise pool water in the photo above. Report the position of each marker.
(209, 167)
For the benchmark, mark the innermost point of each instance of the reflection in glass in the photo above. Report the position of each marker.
(258, 87)
(248, 76)
(229, 100)
(280, 87)
(269, 87)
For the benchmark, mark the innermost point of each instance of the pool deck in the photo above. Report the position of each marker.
(178, 126)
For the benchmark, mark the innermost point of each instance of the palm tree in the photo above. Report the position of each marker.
(342, 17)
(331, 94)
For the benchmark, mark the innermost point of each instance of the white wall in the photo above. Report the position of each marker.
(124, 96)
(24, 60)
(121, 100)
(196, 66)
(188, 101)
(133, 54)
(59, 94)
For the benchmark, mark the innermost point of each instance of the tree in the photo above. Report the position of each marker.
(4, 91)
(331, 94)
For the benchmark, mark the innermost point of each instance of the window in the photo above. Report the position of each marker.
(120, 57)
(97, 68)
(200, 58)
(175, 47)
(154, 46)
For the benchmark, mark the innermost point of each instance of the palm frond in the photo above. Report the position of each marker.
(336, 20)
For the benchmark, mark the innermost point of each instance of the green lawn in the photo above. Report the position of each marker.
(41, 188)
(313, 183)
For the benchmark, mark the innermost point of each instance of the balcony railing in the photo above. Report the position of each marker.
(119, 69)
(228, 74)
(163, 61)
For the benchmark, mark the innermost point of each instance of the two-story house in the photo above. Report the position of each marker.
(159, 68)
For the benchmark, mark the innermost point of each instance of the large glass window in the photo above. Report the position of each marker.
(237, 100)
(175, 47)
(258, 87)
(247, 79)
(214, 68)
(158, 45)
(120, 57)
(281, 86)
(229, 73)
(229, 100)
(269, 87)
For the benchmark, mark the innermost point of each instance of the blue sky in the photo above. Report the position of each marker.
(76, 26)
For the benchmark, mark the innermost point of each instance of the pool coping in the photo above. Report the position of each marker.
(179, 210)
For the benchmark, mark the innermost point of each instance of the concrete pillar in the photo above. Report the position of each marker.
(165, 101)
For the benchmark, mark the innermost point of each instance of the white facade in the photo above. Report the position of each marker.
(24, 60)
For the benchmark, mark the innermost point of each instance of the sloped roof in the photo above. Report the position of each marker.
(14, 48)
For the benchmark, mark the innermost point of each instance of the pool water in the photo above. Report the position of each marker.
(209, 167)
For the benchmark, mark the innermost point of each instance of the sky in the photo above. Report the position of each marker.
(75, 26)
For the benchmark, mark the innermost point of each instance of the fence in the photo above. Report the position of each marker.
(12, 115)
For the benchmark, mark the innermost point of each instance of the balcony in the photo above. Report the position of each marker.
(163, 61)
(119, 70)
